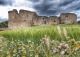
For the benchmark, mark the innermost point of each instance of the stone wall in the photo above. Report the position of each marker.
(52, 20)
(22, 19)
(27, 18)
(68, 18)
(43, 20)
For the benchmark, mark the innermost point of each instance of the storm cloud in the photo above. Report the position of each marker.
(6, 2)
(41, 7)
(55, 7)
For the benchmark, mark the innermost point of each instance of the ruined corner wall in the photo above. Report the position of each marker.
(21, 19)
(12, 15)
(35, 19)
(40, 20)
(27, 16)
(53, 20)
(68, 18)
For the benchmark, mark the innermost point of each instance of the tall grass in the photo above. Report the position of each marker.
(39, 32)
(41, 41)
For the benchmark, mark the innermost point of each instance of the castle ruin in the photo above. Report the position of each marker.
(27, 18)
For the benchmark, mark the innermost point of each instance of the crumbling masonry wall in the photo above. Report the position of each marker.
(53, 20)
(22, 19)
(27, 18)
(40, 20)
(68, 18)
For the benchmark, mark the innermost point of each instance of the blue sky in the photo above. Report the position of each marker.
(41, 7)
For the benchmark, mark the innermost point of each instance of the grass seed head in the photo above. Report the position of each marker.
(59, 31)
(65, 32)
(47, 41)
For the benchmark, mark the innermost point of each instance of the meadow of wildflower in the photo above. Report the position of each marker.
(41, 41)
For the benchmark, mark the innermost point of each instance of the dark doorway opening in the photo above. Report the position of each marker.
(54, 21)
(44, 22)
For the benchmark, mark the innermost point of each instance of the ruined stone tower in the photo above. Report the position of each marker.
(22, 19)
(68, 18)
(27, 18)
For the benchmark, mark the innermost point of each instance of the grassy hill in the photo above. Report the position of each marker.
(42, 41)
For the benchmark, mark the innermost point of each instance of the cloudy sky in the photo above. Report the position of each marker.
(41, 7)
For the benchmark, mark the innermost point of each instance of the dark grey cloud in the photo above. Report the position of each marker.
(43, 8)
(75, 6)
(5, 2)
(55, 7)
(66, 2)
(34, 0)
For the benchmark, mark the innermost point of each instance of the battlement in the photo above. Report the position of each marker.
(27, 18)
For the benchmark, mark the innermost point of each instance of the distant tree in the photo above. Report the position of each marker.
(78, 22)
(4, 24)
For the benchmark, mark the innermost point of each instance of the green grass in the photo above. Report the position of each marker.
(38, 32)
(35, 34)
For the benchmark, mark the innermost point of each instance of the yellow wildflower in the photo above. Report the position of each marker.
(14, 55)
(75, 42)
(75, 48)
(23, 56)
(29, 41)
(22, 47)
(14, 50)
(79, 47)
(36, 55)
(24, 51)
(8, 56)
(4, 42)
(69, 40)
(19, 47)
(31, 54)
(31, 45)
(8, 52)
